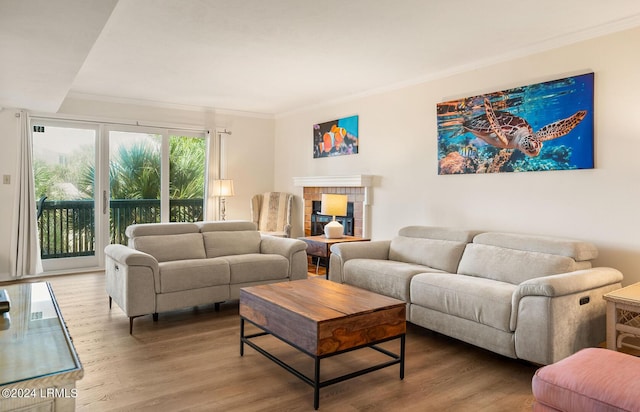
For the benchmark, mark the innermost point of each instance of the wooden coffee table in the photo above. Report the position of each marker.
(323, 319)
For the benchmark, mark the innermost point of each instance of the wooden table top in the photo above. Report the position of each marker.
(322, 317)
(323, 239)
(321, 300)
(629, 294)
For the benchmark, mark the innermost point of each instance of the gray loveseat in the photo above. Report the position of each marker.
(528, 297)
(167, 266)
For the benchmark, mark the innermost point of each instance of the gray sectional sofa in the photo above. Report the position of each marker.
(167, 266)
(528, 297)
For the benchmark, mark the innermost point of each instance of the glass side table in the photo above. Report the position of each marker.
(39, 365)
(623, 316)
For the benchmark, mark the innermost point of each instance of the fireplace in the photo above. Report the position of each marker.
(318, 220)
(357, 188)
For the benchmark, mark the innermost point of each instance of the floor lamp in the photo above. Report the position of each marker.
(223, 188)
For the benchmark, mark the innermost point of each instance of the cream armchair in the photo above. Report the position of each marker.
(271, 211)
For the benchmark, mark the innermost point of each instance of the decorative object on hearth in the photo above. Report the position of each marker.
(336, 137)
(543, 126)
(334, 205)
(223, 188)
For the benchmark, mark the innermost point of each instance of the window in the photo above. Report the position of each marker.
(93, 180)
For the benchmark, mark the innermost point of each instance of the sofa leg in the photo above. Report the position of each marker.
(110, 302)
(216, 306)
(131, 318)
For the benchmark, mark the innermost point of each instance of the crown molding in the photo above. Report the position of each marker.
(166, 105)
(334, 181)
(532, 49)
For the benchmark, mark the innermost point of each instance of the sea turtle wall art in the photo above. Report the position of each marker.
(543, 126)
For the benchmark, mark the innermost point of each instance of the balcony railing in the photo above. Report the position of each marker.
(67, 227)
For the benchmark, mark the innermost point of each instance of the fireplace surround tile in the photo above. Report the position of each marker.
(354, 195)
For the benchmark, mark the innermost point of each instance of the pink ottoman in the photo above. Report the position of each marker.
(592, 379)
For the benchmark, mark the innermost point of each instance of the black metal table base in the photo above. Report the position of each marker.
(315, 381)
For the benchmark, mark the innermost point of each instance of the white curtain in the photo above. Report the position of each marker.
(25, 248)
(212, 204)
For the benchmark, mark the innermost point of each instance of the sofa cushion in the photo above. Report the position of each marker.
(575, 249)
(511, 265)
(441, 233)
(255, 267)
(435, 253)
(157, 229)
(386, 277)
(193, 274)
(171, 247)
(225, 226)
(480, 300)
(225, 243)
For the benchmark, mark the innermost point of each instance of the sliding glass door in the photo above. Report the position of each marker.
(154, 177)
(134, 181)
(94, 180)
(64, 164)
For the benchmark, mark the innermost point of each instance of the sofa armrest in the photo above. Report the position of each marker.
(555, 316)
(294, 250)
(567, 283)
(132, 279)
(341, 252)
(283, 246)
(130, 257)
(377, 249)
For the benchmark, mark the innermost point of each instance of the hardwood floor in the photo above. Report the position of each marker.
(189, 360)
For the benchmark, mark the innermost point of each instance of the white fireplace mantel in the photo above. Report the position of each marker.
(364, 181)
(334, 181)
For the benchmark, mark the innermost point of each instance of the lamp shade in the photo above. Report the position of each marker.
(334, 205)
(223, 187)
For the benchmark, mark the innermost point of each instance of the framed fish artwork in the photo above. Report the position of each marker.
(542, 126)
(336, 138)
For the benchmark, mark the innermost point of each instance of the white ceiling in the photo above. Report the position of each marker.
(271, 56)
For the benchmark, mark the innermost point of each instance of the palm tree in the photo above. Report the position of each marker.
(187, 160)
(134, 174)
(186, 167)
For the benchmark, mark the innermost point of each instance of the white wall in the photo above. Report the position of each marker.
(398, 143)
(8, 164)
(248, 151)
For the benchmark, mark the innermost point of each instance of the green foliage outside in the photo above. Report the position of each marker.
(134, 173)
